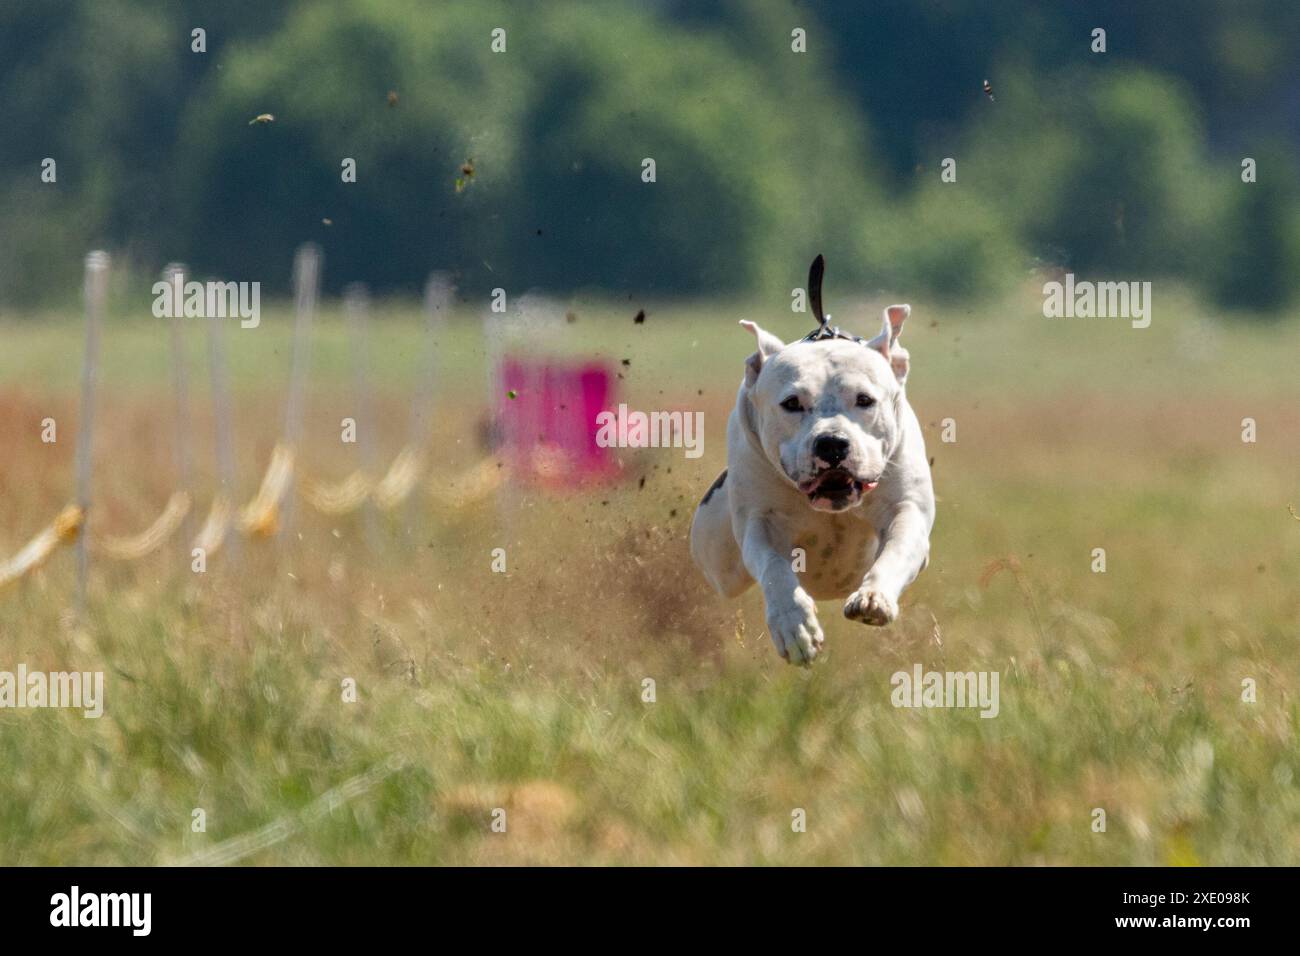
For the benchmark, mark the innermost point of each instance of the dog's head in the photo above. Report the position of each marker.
(826, 413)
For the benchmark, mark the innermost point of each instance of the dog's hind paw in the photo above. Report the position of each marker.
(871, 607)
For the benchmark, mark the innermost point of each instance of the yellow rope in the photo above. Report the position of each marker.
(471, 487)
(403, 474)
(261, 516)
(151, 538)
(62, 530)
(397, 484)
(346, 496)
(213, 533)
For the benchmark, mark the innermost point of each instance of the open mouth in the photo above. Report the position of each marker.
(835, 487)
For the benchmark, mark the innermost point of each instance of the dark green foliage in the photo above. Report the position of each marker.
(1125, 163)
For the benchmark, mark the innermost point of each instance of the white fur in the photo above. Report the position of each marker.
(867, 547)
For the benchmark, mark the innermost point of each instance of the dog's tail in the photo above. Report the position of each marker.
(815, 273)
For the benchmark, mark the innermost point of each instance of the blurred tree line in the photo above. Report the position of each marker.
(1125, 164)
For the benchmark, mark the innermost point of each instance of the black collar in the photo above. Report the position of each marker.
(824, 329)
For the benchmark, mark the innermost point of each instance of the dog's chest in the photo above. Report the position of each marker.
(833, 553)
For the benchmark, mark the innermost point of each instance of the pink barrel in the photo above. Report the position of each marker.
(548, 429)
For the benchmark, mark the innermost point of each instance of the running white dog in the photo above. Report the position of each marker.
(827, 490)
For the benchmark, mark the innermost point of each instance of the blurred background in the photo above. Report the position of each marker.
(1123, 162)
(1173, 449)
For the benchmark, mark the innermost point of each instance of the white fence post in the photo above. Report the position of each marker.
(306, 283)
(96, 293)
(356, 306)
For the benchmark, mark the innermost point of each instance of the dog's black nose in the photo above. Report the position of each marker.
(831, 449)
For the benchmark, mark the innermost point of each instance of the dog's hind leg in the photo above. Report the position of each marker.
(713, 544)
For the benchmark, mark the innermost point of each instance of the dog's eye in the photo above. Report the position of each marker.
(865, 400)
(791, 404)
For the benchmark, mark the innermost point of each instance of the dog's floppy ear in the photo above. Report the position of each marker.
(768, 345)
(886, 343)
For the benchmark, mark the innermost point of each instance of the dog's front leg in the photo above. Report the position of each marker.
(904, 551)
(791, 613)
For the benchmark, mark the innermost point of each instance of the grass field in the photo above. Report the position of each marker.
(523, 690)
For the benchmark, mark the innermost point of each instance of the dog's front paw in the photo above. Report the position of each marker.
(794, 628)
(871, 607)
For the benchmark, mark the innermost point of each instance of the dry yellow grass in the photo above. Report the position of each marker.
(523, 690)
